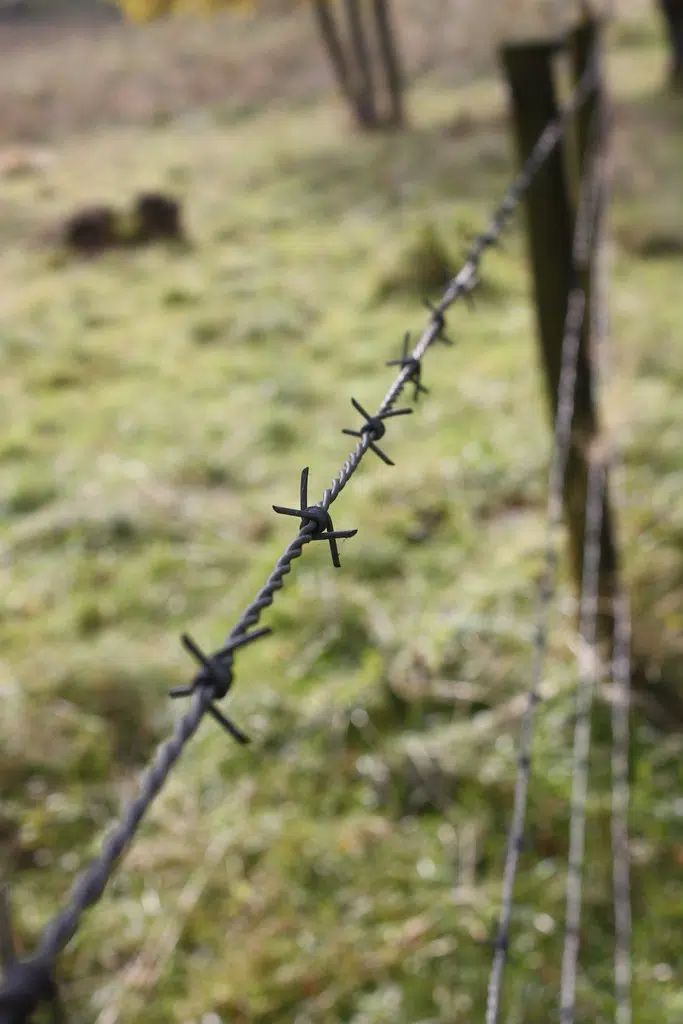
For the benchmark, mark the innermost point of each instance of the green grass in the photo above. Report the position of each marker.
(154, 407)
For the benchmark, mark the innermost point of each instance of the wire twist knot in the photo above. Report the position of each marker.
(414, 367)
(317, 517)
(374, 428)
(216, 676)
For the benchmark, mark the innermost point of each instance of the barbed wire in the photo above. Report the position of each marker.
(591, 669)
(29, 982)
(589, 657)
(571, 343)
(621, 652)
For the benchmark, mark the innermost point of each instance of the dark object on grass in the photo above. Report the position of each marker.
(91, 230)
(156, 217)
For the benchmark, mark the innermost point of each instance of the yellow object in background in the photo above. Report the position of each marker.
(142, 11)
(145, 10)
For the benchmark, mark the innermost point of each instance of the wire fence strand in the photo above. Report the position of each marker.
(571, 342)
(589, 668)
(621, 656)
(29, 982)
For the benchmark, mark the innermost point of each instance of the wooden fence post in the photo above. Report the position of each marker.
(551, 216)
(591, 124)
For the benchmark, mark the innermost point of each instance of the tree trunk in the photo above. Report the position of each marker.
(392, 63)
(333, 44)
(673, 16)
(365, 89)
(353, 58)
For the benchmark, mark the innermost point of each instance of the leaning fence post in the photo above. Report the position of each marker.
(550, 215)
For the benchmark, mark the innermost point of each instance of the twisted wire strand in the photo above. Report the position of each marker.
(90, 885)
(621, 670)
(621, 674)
(571, 342)
(588, 674)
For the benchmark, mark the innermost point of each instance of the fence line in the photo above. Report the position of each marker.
(621, 669)
(588, 675)
(571, 341)
(29, 982)
(589, 670)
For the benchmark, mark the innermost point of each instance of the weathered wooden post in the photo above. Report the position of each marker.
(591, 129)
(551, 215)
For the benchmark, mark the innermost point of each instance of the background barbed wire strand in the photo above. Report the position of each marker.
(571, 342)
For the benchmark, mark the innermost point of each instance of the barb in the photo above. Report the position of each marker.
(318, 517)
(414, 366)
(374, 428)
(215, 676)
(576, 309)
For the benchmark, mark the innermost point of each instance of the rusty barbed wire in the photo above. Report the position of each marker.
(29, 983)
(571, 342)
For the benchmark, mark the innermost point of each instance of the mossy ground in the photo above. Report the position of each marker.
(155, 405)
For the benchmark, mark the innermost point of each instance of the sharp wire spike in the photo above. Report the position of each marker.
(181, 691)
(218, 674)
(228, 725)
(319, 517)
(396, 412)
(303, 490)
(359, 408)
(374, 428)
(288, 511)
(383, 456)
(439, 318)
(335, 552)
(189, 645)
(242, 640)
(414, 366)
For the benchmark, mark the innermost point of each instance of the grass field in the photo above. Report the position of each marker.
(155, 405)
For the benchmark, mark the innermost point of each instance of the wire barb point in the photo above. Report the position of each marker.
(216, 675)
(439, 321)
(414, 366)
(317, 517)
(374, 428)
